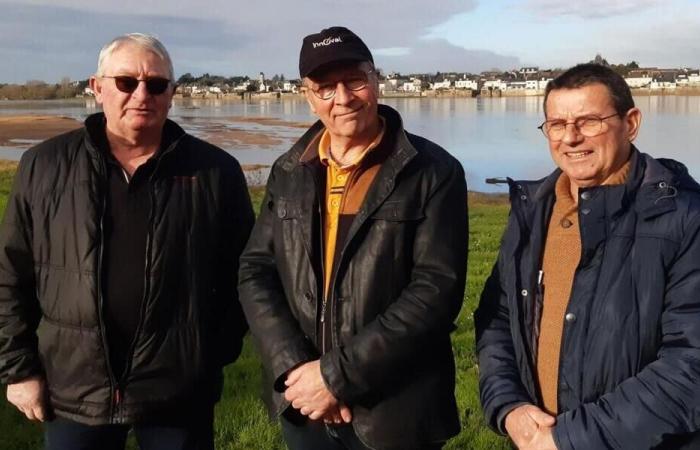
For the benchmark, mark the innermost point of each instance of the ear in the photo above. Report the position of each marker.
(633, 119)
(310, 100)
(96, 86)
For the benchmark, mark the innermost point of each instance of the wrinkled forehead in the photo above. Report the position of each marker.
(594, 98)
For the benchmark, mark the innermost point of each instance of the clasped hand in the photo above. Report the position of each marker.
(530, 428)
(308, 393)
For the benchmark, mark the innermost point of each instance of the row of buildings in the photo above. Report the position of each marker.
(529, 80)
(525, 81)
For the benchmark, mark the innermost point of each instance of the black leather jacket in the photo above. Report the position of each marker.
(397, 289)
(50, 295)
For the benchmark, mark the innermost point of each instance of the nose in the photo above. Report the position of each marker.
(140, 92)
(571, 134)
(343, 95)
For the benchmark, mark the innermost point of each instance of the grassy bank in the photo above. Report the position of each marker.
(241, 421)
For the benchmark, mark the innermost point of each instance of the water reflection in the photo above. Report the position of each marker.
(490, 136)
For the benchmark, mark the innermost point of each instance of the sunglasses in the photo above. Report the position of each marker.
(154, 86)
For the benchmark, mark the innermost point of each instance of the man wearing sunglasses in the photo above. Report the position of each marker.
(118, 260)
(587, 331)
(355, 271)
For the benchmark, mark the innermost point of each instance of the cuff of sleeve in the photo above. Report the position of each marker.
(501, 418)
(332, 377)
(288, 360)
(20, 368)
(561, 435)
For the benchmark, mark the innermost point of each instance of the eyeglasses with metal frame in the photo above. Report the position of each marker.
(355, 82)
(127, 84)
(589, 126)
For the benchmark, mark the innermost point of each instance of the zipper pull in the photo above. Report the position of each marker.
(323, 312)
(117, 397)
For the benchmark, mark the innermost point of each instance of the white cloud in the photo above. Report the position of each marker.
(391, 51)
(432, 55)
(588, 9)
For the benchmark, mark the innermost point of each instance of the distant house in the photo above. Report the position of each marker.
(516, 85)
(525, 71)
(496, 84)
(89, 92)
(290, 86)
(243, 87)
(445, 84)
(467, 84)
(639, 82)
(665, 80)
(543, 82)
(694, 79)
(415, 85)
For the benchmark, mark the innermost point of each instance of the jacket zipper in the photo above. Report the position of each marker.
(147, 269)
(113, 384)
(321, 320)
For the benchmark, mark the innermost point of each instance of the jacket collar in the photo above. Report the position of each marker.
(652, 186)
(305, 150)
(95, 130)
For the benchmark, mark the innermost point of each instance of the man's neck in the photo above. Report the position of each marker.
(344, 149)
(132, 151)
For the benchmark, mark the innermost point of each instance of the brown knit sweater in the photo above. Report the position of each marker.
(562, 252)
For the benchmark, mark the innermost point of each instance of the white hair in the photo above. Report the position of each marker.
(145, 41)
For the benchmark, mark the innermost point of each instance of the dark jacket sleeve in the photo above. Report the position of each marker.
(500, 385)
(238, 218)
(19, 308)
(426, 308)
(664, 397)
(279, 338)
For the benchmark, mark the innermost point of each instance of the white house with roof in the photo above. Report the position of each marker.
(243, 87)
(516, 85)
(495, 84)
(290, 86)
(415, 85)
(467, 84)
(444, 84)
(639, 82)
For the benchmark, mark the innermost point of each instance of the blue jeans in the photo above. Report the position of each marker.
(198, 434)
(314, 435)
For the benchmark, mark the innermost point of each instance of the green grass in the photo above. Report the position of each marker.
(241, 420)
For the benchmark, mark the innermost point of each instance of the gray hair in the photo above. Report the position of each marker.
(145, 41)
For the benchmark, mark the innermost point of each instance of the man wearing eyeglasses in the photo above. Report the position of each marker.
(355, 270)
(118, 260)
(587, 331)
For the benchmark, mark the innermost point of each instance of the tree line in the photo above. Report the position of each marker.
(40, 90)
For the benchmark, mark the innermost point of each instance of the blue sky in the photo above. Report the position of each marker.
(51, 39)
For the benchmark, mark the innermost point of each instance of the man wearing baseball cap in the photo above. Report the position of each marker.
(354, 273)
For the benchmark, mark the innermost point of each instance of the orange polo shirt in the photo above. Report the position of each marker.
(339, 179)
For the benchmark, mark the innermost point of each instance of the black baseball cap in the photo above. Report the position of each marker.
(331, 45)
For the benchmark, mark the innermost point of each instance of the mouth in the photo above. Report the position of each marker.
(578, 155)
(140, 110)
(349, 113)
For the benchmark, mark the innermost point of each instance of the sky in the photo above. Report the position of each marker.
(52, 39)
